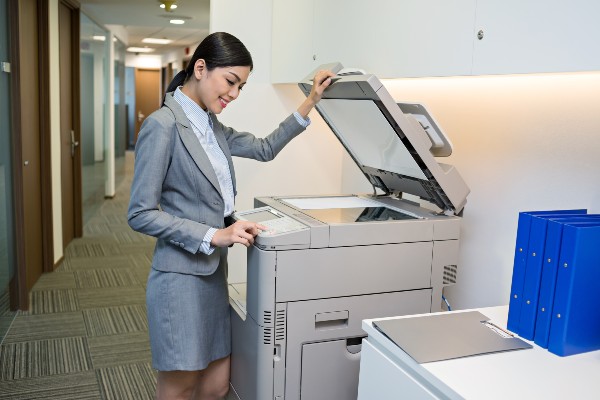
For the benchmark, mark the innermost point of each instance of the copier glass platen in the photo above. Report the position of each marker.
(328, 262)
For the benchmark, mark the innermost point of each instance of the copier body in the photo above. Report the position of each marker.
(331, 261)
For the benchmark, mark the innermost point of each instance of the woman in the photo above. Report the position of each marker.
(182, 193)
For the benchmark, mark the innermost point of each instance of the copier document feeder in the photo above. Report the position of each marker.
(328, 262)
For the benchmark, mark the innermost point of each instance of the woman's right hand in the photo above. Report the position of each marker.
(242, 232)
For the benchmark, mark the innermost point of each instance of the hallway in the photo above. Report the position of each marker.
(85, 334)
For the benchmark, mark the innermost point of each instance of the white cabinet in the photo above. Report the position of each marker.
(417, 38)
(537, 36)
(389, 38)
(292, 40)
(392, 38)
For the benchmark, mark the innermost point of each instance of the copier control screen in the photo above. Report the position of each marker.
(260, 216)
(276, 222)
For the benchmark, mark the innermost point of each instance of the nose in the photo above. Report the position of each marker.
(234, 92)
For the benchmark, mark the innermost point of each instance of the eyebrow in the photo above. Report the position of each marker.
(236, 76)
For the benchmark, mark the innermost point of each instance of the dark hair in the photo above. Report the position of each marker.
(219, 49)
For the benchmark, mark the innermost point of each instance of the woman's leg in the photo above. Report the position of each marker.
(214, 381)
(176, 385)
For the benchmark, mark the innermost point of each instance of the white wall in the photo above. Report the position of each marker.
(522, 142)
(312, 162)
(143, 61)
(53, 39)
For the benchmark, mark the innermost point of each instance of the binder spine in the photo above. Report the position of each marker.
(575, 324)
(518, 276)
(533, 275)
(548, 283)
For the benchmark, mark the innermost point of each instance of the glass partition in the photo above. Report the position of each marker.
(94, 94)
(7, 256)
(120, 111)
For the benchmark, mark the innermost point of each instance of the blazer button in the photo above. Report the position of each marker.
(181, 245)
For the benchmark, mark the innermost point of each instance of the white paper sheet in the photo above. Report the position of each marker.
(322, 203)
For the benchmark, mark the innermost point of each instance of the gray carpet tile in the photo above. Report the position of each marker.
(94, 250)
(45, 326)
(76, 386)
(79, 264)
(44, 358)
(110, 297)
(115, 320)
(85, 335)
(97, 228)
(100, 278)
(131, 237)
(55, 280)
(135, 381)
(52, 301)
(113, 350)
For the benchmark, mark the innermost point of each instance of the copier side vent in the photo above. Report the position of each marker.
(449, 275)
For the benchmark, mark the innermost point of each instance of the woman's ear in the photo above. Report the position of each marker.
(199, 68)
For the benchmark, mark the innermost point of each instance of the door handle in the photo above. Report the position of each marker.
(74, 143)
(141, 116)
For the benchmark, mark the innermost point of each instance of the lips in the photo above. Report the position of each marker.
(223, 102)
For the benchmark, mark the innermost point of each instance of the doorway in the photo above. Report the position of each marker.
(147, 95)
(72, 224)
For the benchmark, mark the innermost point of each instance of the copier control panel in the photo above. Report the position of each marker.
(277, 222)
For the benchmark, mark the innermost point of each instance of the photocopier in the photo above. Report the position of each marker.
(328, 262)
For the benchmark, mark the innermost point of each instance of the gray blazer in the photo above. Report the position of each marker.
(175, 195)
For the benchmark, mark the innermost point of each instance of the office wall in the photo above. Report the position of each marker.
(311, 163)
(522, 142)
(55, 128)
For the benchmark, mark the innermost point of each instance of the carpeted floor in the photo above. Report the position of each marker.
(85, 334)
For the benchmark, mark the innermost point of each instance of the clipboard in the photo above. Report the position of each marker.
(439, 337)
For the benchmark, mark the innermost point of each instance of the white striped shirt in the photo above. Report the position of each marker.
(202, 127)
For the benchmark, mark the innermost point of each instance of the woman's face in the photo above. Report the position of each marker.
(215, 89)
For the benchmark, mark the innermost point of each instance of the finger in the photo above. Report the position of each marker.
(256, 229)
(246, 236)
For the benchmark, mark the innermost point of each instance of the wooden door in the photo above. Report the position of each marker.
(72, 219)
(147, 95)
(29, 118)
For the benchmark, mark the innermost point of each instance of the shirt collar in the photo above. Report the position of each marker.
(197, 116)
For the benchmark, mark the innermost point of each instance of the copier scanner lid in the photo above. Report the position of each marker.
(389, 145)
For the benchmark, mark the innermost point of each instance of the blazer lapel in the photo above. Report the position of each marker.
(191, 143)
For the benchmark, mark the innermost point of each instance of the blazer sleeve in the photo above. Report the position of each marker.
(153, 153)
(244, 144)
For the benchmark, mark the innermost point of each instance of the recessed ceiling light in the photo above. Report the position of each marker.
(99, 38)
(140, 49)
(177, 21)
(156, 40)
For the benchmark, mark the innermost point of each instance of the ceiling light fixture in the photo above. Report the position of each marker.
(99, 38)
(156, 40)
(177, 21)
(140, 49)
(168, 5)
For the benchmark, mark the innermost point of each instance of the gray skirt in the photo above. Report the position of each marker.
(188, 319)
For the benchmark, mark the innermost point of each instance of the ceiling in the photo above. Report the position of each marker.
(144, 18)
